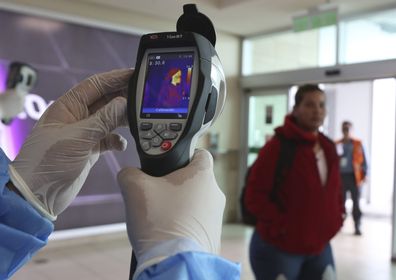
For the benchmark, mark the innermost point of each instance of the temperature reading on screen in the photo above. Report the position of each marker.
(167, 86)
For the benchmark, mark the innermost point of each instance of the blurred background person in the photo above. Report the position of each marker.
(353, 166)
(294, 191)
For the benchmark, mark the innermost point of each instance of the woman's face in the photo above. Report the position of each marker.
(311, 111)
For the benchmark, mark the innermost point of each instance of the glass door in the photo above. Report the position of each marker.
(266, 111)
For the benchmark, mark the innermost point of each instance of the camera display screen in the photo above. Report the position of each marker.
(167, 86)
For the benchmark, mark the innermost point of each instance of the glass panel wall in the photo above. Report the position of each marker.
(368, 38)
(289, 51)
(266, 112)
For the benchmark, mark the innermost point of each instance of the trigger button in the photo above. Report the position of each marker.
(166, 145)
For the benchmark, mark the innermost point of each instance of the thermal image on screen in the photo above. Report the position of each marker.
(168, 85)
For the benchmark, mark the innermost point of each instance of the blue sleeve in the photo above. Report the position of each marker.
(192, 266)
(23, 230)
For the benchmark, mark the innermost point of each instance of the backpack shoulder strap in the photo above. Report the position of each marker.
(284, 163)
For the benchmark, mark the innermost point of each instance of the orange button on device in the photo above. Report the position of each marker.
(166, 145)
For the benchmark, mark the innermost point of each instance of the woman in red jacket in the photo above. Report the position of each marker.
(298, 208)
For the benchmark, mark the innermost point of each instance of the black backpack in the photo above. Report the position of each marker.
(284, 163)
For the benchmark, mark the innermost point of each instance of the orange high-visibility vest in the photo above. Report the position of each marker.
(358, 160)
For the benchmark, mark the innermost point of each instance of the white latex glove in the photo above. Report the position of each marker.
(179, 212)
(11, 103)
(55, 160)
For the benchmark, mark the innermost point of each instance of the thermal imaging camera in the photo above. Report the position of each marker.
(20, 81)
(176, 92)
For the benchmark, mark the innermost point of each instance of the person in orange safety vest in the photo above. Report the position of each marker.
(353, 167)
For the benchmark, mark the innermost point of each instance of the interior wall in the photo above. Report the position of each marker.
(352, 102)
(98, 15)
(382, 164)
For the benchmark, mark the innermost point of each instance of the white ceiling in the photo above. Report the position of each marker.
(242, 17)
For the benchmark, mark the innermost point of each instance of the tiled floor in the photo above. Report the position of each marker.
(106, 257)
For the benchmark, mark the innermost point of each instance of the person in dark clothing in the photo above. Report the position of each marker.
(297, 219)
(353, 170)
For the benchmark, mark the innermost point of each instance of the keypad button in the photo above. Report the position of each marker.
(146, 126)
(159, 127)
(166, 145)
(156, 141)
(148, 135)
(175, 126)
(168, 135)
(145, 145)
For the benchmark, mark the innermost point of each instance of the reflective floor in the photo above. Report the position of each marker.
(106, 257)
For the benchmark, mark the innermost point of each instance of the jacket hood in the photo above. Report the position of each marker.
(290, 130)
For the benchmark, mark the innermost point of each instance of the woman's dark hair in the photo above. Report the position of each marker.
(347, 123)
(302, 90)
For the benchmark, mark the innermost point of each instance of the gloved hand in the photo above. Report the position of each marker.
(11, 103)
(55, 160)
(179, 212)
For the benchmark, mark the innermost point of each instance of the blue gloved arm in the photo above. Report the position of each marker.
(192, 266)
(23, 231)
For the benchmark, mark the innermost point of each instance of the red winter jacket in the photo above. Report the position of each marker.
(313, 212)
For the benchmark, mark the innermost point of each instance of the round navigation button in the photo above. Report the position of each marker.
(166, 145)
(156, 141)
